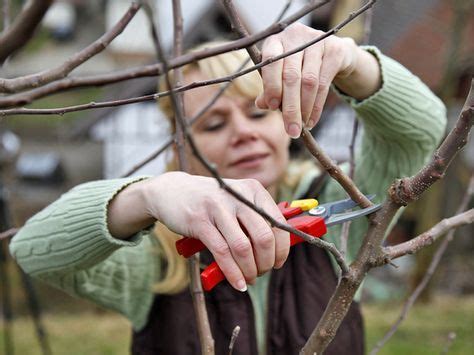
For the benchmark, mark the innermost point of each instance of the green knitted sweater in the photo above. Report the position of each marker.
(68, 245)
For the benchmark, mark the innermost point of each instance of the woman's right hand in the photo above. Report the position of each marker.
(195, 206)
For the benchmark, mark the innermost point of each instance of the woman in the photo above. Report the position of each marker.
(95, 241)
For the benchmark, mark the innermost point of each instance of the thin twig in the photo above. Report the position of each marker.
(178, 81)
(192, 120)
(238, 27)
(152, 69)
(449, 343)
(47, 76)
(235, 334)
(203, 325)
(429, 273)
(334, 170)
(94, 105)
(355, 129)
(201, 112)
(274, 223)
(8, 233)
(429, 237)
(5, 14)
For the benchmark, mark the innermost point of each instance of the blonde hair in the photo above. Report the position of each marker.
(176, 275)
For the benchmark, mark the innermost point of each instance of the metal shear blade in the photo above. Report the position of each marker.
(333, 214)
(344, 217)
(343, 205)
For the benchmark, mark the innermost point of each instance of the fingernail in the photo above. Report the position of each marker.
(294, 130)
(242, 286)
(274, 104)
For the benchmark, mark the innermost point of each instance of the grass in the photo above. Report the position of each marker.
(425, 331)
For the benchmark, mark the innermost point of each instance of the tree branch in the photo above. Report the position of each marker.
(334, 170)
(429, 273)
(427, 238)
(94, 105)
(199, 305)
(192, 120)
(47, 76)
(8, 233)
(21, 30)
(407, 190)
(371, 254)
(5, 14)
(152, 69)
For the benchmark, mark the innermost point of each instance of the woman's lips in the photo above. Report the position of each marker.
(250, 161)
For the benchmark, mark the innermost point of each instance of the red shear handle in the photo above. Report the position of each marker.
(315, 226)
(189, 246)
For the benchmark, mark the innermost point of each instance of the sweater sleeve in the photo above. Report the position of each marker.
(403, 124)
(69, 246)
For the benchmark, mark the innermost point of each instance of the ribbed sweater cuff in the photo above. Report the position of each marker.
(87, 212)
(394, 80)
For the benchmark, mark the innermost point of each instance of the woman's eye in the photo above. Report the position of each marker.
(214, 126)
(258, 113)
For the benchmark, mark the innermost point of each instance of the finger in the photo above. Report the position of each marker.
(238, 242)
(262, 237)
(291, 105)
(312, 59)
(260, 102)
(282, 237)
(329, 69)
(217, 245)
(271, 73)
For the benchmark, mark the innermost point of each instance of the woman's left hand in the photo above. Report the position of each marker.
(299, 83)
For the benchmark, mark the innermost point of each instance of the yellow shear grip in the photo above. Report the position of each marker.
(305, 204)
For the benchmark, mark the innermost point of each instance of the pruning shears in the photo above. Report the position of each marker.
(304, 215)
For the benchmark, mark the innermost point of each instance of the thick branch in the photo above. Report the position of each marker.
(429, 272)
(47, 76)
(153, 69)
(369, 253)
(23, 27)
(407, 190)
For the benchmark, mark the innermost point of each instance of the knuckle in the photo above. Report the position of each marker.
(264, 238)
(272, 90)
(309, 80)
(291, 76)
(316, 111)
(348, 41)
(290, 111)
(253, 184)
(242, 248)
(324, 83)
(221, 250)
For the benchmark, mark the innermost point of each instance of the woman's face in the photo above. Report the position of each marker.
(241, 140)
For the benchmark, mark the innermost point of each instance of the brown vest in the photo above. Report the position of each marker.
(298, 294)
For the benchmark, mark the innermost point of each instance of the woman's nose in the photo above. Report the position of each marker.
(243, 130)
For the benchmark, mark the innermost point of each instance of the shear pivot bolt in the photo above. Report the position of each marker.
(317, 211)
